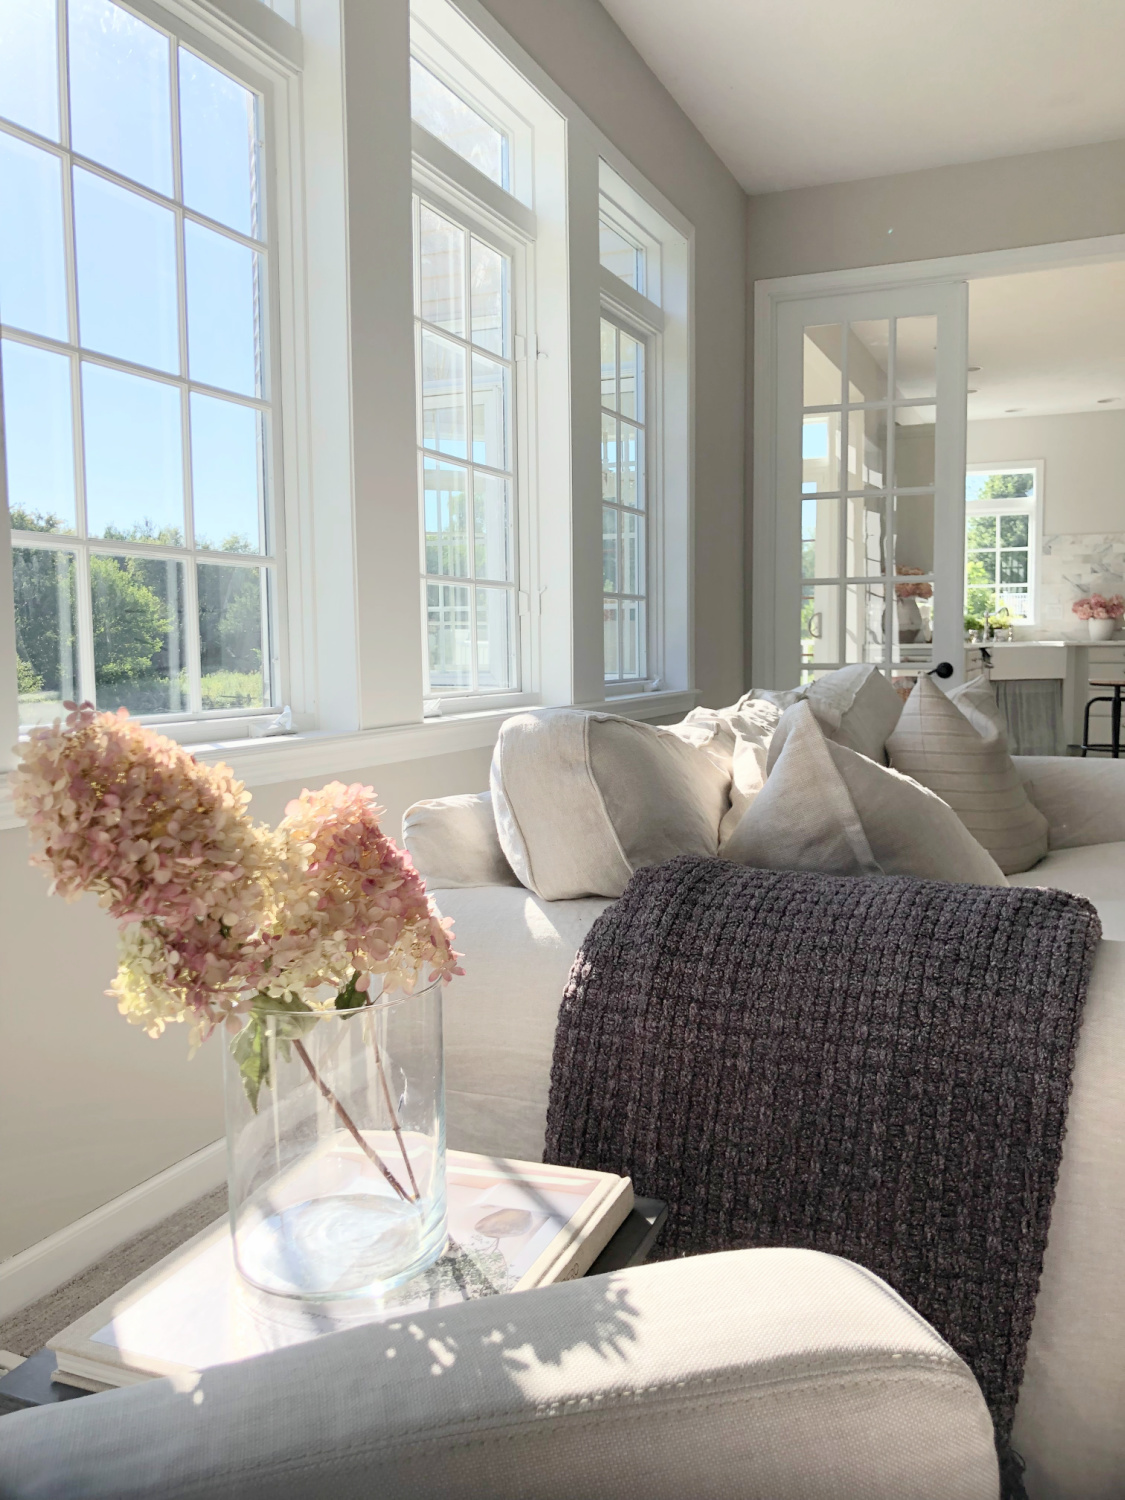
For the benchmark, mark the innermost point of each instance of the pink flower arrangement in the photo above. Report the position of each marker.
(217, 914)
(1098, 607)
(912, 590)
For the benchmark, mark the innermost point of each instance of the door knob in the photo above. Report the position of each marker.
(943, 669)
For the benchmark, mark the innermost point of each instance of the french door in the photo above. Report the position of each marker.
(868, 484)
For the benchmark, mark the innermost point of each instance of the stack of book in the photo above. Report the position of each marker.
(512, 1225)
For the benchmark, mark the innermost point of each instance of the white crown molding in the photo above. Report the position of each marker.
(297, 757)
(44, 1266)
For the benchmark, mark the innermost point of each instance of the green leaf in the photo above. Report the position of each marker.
(349, 997)
(251, 1053)
(250, 1048)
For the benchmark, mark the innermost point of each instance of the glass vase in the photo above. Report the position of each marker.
(336, 1145)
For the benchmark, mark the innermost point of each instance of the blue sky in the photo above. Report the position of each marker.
(127, 302)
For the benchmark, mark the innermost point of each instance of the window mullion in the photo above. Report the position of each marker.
(84, 621)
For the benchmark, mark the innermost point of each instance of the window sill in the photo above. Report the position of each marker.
(309, 756)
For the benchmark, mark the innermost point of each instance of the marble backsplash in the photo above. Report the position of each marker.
(1073, 564)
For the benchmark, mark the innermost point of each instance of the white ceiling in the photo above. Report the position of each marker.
(1048, 341)
(792, 93)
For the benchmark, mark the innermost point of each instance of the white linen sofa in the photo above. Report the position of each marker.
(750, 1375)
(500, 1023)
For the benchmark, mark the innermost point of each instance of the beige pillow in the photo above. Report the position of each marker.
(977, 701)
(830, 809)
(584, 799)
(738, 738)
(453, 842)
(967, 764)
(856, 706)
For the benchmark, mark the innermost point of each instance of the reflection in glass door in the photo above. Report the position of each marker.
(869, 443)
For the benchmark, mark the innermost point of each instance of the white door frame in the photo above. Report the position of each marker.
(769, 295)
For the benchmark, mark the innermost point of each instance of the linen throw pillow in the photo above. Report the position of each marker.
(856, 707)
(584, 799)
(737, 738)
(831, 809)
(977, 701)
(453, 842)
(966, 762)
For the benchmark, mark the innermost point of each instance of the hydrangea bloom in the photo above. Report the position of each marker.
(1098, 607)
(215, 912)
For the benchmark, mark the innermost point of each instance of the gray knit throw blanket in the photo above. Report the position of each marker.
(877, 1068)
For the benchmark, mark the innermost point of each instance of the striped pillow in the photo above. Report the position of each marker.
(970, 768)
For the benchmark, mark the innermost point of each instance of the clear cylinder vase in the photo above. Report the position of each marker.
(336, 1145)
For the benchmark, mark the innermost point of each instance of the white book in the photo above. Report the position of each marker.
(512, 1225)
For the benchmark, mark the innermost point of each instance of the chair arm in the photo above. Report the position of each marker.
(750, 1375)
(1083, 800)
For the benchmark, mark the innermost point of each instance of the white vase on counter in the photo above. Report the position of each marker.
(1101, 630)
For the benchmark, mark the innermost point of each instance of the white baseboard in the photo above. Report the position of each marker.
(41, 1268)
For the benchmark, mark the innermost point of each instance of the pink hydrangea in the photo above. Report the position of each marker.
(1098, 607)
(213, 909)
(912, 590)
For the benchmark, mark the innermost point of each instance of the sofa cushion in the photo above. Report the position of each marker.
(1069, 1425)
(453, 842)
(831, 809)
(855, 706)
(1096, 871)
(1083, 799)
(968, 765)
(584, 799)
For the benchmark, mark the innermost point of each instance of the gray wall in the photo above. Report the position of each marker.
(588, 56)
(89, 1106)
(1039, 199)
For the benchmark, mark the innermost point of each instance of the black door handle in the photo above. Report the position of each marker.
(943, 669)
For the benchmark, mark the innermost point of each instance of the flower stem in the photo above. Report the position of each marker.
(369, 1151)
(394, 1117)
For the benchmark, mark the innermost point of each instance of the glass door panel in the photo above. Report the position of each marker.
(870, 452)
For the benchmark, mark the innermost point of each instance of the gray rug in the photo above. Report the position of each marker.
(27, 1331)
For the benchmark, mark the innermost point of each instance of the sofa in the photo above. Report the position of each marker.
(756, 1374)
(748, 1375)
(519, 947)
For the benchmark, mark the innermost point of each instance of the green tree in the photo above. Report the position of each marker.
(130, 621)
(43, 582)
(1007, 486)
(28, 679)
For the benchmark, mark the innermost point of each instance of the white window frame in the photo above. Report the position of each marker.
(446, 196)
(662, 319)
(343, 175)
(1015, 507)
(258, 48)
(648, 334)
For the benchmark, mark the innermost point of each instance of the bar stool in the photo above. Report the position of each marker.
(1118, 686)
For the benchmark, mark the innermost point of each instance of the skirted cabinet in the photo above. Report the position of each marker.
(1044, 686)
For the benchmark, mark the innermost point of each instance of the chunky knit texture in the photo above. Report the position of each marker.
(877, 1068)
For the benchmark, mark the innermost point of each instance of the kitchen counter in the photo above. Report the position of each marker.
(1068, 661)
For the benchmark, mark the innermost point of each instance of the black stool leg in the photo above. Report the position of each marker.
(1115, 734)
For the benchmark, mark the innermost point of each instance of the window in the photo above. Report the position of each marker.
(624, 504)
(1001, 507)
(621, 254)
(137, 411)
(463, 317)
(446, 115)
